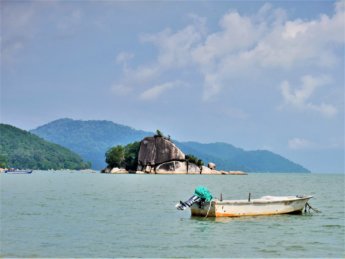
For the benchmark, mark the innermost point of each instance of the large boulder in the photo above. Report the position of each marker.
(157, 150)
(177, 167)
(193, 169)
(212, 166)
(172, 167)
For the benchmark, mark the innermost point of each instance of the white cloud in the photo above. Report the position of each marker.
(121, 89)
(143, 74)
(175, 50)
(213, 85)
(300, 143)
(124, 57)
(157, 90)
(294, 29)
(245, 43)
(325, 109)
(297, 41)
(262, 42)
(340, 6)
(300, 97)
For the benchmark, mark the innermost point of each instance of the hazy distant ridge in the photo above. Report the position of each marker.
(228, 157)
(92, 138)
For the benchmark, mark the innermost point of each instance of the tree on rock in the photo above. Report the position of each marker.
(159, 134)
(193, 159)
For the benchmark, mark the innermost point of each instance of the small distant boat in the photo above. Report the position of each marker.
(18, 171)
(204, 205)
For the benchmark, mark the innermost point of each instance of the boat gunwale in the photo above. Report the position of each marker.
(257, 201)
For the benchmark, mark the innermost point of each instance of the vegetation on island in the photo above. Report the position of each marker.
(193, 159)
(123, 156)
(3, 161)
(22, 149)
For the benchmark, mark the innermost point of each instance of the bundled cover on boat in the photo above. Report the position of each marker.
(203, 193)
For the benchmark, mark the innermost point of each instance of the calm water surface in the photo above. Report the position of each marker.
(61, 214)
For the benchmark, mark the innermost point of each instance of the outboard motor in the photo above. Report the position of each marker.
(201, 194)
(183, 205)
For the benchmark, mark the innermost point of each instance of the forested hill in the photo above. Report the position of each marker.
(91, 139)
(22, 149)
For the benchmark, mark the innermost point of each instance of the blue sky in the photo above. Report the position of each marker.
(256, 74)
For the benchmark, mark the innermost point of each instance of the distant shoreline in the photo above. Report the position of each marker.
(182, 173)
(234, 173)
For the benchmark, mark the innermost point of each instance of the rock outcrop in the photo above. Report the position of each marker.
(159, 155)
(117, 170)
(212, 166)
(177, 167)
(157, 150)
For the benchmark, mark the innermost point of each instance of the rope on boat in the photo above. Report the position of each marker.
(309, 207)
(209, 207)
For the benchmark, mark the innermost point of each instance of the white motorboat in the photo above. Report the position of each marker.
(267, 205)
(203, 204)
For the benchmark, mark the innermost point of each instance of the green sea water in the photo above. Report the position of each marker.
(62, 214)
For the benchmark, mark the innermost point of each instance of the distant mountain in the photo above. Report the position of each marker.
(22, 149)
(91, 139)
(228, 157)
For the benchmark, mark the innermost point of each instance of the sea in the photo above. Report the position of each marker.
(75, 214)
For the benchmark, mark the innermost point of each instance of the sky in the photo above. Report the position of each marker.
(255, 74)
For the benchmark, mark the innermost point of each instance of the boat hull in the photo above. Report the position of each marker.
(18, 172)
(262, 206)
